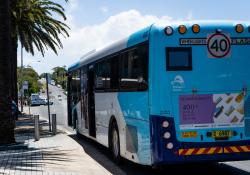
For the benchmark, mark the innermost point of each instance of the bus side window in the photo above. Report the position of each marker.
(115, 72)
(143, 62)
(76, 87)
(134, 69)
(108, 75)
(100, 70)
(112, 74)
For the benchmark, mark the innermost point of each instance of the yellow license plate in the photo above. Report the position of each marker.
(222, 134)
(189, 134)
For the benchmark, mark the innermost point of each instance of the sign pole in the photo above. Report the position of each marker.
(47, 87)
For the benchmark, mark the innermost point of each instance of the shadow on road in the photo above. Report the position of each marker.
(102, 155)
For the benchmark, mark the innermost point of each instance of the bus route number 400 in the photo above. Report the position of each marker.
(218, 45)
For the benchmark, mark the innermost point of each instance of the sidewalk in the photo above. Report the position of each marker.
(58, 154)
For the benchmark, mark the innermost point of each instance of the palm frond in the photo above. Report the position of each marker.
(36, 26)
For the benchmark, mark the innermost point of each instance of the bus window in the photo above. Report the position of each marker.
(179, 58)
(100, 69)
(115, 73)
(134, 69)
(76, 87)
(108, 75)
(112, 74)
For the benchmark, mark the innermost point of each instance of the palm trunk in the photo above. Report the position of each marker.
(14, 89)
(7, 123)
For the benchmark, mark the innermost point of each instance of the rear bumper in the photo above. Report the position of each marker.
(184, 152)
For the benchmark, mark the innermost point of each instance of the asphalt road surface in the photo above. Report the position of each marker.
(59, 106)
(102, 156)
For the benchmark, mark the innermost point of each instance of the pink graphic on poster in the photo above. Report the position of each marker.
(196, 109)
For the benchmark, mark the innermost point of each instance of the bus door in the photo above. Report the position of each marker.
(69, 98)
(91, 102)
(84, 98)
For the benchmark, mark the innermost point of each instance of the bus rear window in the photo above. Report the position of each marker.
(179, 58)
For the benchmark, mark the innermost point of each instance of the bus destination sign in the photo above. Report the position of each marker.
(203, 41)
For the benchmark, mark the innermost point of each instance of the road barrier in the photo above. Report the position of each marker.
(54, 129)
(37, 131)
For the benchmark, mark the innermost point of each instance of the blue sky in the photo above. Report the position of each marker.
(201, 9)
(98, 23)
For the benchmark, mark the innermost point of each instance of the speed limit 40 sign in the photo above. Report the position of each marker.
(218, 45)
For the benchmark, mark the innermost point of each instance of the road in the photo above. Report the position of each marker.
(59, 106)
(102, 156)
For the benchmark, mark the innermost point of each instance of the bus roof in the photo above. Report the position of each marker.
(143, 35)
(135, 38)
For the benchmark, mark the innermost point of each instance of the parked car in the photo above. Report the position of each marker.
(36, 102)
(53, 82)
(46, 102)
(34, 97)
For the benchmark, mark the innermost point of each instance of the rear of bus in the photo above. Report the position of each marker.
(199, 92)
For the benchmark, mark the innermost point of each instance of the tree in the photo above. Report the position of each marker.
(35, 27)
(44, 75)
(7, 122)
(14, 88)
(31, 76)
(58, 75)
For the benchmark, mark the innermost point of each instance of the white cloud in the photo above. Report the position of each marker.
(114, 28)
(104, 9)
(87, 38)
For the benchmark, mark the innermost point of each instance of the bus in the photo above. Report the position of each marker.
(167, 94)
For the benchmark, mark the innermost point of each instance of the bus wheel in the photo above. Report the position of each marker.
(115, 143)
(78, 135)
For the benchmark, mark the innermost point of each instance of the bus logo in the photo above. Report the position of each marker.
(218, 45)
(178, 83)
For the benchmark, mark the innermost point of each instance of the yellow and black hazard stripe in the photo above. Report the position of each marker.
(213, 150)
(200, 151)
(236, 149)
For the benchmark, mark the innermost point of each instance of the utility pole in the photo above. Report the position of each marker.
(47, 87)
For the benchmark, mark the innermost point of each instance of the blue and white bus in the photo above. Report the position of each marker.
(167, 94)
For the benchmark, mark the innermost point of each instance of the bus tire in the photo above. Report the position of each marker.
(115, 142)
(78, 135)
(75, 120)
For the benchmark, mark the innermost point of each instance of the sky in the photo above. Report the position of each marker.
(98, 23)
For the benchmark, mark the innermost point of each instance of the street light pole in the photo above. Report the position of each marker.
(47, 87)
(21, 72)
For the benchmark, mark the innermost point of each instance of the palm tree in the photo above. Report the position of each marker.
(14, 88)
(6, 120)
(34, 26)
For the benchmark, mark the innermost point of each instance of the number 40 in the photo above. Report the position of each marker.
(219, 45)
